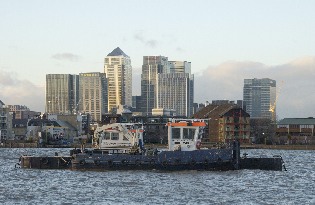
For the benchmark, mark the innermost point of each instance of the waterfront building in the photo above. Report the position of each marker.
(93, 94)
(152, 66)
(295, 131)
(50, 131)
(19, 128)
(259, 96)
(226, 123)
(62, 93)
(5, 122)
(118, 70)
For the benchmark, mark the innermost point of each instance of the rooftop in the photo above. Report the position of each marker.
(297, 121)
(214, 111)
(117, 52)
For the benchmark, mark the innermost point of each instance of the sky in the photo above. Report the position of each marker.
(225, 41)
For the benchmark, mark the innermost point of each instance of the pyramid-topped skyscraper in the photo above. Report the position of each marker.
(118, 70)
(117, 52)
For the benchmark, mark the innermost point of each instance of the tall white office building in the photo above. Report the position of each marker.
(118, 70)
(259, 96)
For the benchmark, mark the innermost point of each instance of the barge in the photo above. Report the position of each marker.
(119, 146)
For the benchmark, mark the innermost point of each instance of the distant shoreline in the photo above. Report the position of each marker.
(243, 146)
(279, 147)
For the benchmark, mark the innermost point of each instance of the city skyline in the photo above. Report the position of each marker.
(226, 44)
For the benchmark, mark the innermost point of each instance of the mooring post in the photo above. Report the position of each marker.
(236, 154)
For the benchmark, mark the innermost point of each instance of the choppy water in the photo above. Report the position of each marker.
(295, 186)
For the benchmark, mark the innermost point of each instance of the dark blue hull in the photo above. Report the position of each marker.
(203, 159)
(211, 159)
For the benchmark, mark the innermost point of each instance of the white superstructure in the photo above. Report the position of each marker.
(185, 134)
(121, 137)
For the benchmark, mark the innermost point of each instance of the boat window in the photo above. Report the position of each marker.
(176, 133)
(188, 133)
(115, 136)
(107, 136)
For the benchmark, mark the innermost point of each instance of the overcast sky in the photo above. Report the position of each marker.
(225, 41)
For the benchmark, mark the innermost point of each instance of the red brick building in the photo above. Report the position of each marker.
(226, 123)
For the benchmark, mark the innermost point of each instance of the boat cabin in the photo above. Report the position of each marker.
(185, 134)
(117, 136)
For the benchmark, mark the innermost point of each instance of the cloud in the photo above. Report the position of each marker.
(150, 43)
(21, 92)
(66, 57)
(296, 79)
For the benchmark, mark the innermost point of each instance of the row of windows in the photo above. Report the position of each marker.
(186, 133)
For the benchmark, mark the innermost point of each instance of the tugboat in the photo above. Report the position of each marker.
(119, 146)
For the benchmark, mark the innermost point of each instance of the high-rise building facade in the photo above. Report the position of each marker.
(176, 89)
(259, 96)
(118, 70)
(152, 66)
(93, 94)
(61, 93)
(179, 66)
(176, 92)
(136, 100)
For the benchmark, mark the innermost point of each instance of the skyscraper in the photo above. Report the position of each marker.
(152, 66)
(259, 96)
(93, 94)
(117, 67)
(61, 93)
(176, 89)
(179, 66)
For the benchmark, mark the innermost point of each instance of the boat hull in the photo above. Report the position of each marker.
(45, 162)
(211, 159)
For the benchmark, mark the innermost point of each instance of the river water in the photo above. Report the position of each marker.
(26, 186)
